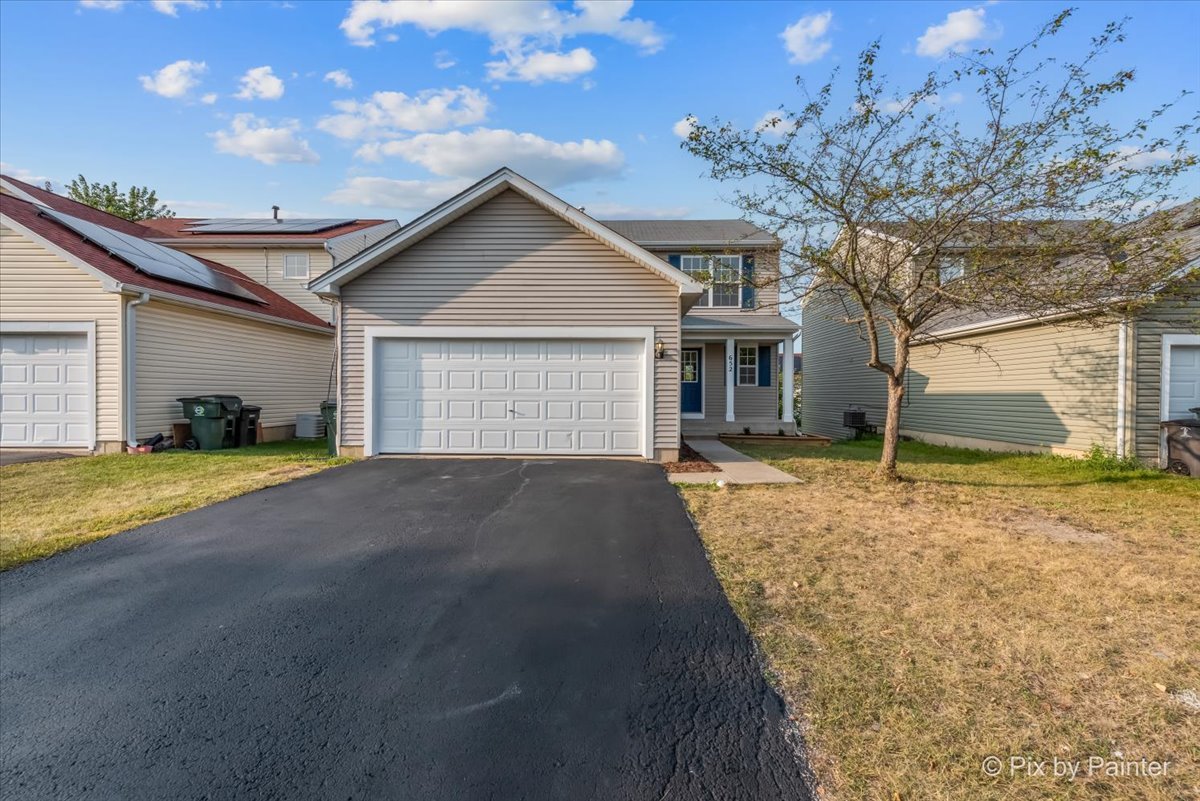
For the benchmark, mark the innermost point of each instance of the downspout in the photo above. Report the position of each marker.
(131, 368)
(1122, 384)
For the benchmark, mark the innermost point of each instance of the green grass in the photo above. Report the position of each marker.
(52, 506)
(990, 604)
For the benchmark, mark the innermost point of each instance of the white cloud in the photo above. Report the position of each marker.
(443, 60)
(390, 114)
(773, 124)
(683, 128)
(933, 101)
(542, 65)
(260, 82)
(527, 34)
(475, 154)
(176, 79)
(805, 38)
(103, 5)
(1132, 157)
(28, 176)
(209, 98)
(256, 138)
(171, 7)
(506, 22)
(340, 78)
(619, 211)
(954, 35)
(396, 194)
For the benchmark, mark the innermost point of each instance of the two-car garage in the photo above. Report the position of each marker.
(509, 395)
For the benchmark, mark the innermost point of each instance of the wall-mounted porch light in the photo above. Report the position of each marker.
(660, 349)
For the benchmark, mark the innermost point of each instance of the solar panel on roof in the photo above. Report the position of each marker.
(153, 259)
(238, 225)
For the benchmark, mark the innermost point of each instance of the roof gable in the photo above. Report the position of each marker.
(500, 181)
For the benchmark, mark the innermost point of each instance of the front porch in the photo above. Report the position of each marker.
(730, 376)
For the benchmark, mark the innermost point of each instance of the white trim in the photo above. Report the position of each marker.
(730, 374)
(741, 343)
(703, 400)
(996, 324)
(107, 282)
(787, 369)
(220, 307)
(475, 196)
(371, 333)
(78, 327)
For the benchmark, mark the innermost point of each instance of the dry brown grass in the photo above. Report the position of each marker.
(994, 605)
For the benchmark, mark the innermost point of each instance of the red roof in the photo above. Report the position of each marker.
(164, 227)
(28, 216)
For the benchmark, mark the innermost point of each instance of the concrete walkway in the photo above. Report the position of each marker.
(733, 467)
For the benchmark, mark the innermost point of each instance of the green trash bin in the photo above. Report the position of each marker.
(329, 415)
(213, 419)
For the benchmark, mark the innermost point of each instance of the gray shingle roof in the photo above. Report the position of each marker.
(692, 232)
(733, 322)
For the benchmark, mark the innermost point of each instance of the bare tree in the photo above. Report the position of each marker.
(915, 217)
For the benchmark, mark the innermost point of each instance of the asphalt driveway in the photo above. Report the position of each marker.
(417, 629)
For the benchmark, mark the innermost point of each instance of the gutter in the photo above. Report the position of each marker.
(130, 372)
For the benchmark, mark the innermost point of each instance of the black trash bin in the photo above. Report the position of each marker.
(1183, 447)
(213, 419)
(247, 425)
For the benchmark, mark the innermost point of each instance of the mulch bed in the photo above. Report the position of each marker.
(690, 462)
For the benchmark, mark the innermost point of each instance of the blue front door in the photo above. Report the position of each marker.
(691, 390)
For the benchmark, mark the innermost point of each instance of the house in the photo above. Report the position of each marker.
(101, 329)
(1008, 382)
(506, 321)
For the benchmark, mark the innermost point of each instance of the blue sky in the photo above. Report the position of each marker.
(341, 109)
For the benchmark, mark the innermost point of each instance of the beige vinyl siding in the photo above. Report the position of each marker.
(39, 286)
(511, 263)
(347, 245)
(1041, 387)
(749, 403)
(1171, 317)
(835, 374)
(265, 265)
(183, 351)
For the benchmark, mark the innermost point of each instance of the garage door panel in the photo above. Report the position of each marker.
(45, 396)
(521, 396)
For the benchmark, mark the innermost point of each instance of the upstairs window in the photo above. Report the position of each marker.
(722, 277)
(295, 265)
(951, 268)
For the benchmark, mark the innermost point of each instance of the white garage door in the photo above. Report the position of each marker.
(509, 396)
(45, 398)
(1185, 381)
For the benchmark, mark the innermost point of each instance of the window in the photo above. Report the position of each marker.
(951, 268)
(722, 275)
(295, 265)
(747, 365)
(690, 362)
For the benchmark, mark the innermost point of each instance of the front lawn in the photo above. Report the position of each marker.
(1022, 607)
(47, 507)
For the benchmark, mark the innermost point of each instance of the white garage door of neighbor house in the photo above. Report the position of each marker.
(509, 396)
(45, 398)
(1185, 381)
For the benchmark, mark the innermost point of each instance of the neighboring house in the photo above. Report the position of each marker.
(506, 321)
(101, 330)
(1006, 382)
(283, 254)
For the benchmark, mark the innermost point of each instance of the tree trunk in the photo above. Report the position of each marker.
(886, 471)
